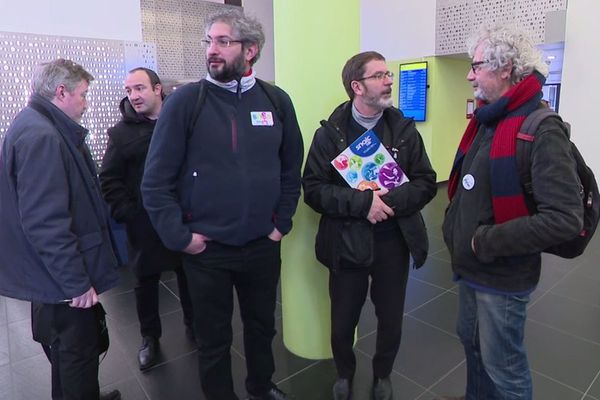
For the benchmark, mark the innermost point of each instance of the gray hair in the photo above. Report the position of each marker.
(49, 75)
(244, 28)
(504, 44)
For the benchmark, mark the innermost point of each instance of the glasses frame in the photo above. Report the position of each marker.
(221, 42)
(476, 64)
(378, 75)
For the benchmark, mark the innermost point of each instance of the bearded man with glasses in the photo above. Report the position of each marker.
(221, 186)
(368, 234)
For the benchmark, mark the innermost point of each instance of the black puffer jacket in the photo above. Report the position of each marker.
(344, 231)
(120, 179)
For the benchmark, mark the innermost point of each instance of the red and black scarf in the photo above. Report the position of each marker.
(508, 112)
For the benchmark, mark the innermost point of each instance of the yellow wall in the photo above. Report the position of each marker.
(313, 40)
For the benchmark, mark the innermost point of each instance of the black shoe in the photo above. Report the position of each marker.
(342, 389)
(382, 389)
(272, 394)
(112, 395)
(147, 354)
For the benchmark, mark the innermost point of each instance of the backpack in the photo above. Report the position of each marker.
(590, 197)
(270, 91)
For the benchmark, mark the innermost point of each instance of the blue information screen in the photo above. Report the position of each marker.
(413, 90)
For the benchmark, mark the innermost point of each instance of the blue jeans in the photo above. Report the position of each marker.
(491, 328)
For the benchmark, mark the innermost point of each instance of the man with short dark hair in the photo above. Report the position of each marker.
(120, 179)
(494, 242)
(222, 185)
(375, 231)
(56, 248)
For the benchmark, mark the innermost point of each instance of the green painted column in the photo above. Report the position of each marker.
(313, 40)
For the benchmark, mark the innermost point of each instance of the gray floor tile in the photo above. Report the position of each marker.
(562, 357)
(3, 316)
(453, 383)
(21, 344)
(568, 315)
(436, 272)
(4, 349)
(17, 310)
(595, 387)
(440, 312)
(426, 353)
(6, 383)
(419, 293)
(579, 288)
(549, 389)
(31, 378)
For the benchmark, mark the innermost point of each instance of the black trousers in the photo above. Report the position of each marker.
(146, 299)
(348, 290)
(71, 345)
(253, 270)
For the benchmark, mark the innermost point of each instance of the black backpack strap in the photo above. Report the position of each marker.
(198, 107)
(274, 97)
(525, 139)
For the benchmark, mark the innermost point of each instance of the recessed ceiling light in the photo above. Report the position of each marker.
(551, 57)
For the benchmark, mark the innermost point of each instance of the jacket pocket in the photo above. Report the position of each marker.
(356, 246)
(343, 243)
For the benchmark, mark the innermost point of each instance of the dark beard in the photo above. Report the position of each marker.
(229, 71)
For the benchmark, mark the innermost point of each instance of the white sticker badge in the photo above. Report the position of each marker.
(261, 118)
(468, 181)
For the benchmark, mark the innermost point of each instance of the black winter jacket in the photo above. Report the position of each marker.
(120, 178)
(507, 256)
(55, 240)
(344, 232)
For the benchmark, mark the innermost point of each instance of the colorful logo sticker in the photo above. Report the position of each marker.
(367, 145)
(341, 162)
(390, 175)
(379, 158)
(370, 171)
(367, 185)
(355, 163)
(352, 176)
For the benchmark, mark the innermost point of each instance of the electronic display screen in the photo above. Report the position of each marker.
(413, 90)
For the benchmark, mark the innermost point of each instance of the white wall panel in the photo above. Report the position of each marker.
(580, 83)
(398, 29)
(100, 19)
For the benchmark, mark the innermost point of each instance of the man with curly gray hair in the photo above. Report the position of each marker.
(494, 242)
(221, 184)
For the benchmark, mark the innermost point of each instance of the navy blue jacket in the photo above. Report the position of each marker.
(55, 240)
(224, 177)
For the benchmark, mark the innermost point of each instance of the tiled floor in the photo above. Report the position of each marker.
(563, 338)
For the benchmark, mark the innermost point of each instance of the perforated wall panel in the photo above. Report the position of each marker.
(106, 60)
(457, 19)
(177, 26)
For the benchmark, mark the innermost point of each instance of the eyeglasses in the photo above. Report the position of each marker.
(476, 66)
(378, 76)
(221, 42)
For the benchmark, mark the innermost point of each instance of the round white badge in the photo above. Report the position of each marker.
(468, 181)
